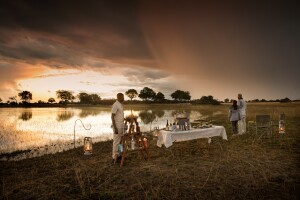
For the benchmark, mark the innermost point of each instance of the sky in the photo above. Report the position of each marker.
(217, 48)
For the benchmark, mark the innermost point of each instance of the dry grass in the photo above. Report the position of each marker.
(245, 167)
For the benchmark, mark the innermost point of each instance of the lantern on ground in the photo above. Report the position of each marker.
(88, 146)
(282, 123)
(156, 132)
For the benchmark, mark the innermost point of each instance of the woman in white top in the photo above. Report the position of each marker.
(234, 116)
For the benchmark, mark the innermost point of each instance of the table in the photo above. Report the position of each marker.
(168, 137)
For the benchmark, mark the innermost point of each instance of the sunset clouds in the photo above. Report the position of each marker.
(218, 48)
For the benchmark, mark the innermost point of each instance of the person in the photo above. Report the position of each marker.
(234, 117)
(242, 108)
(117, 118)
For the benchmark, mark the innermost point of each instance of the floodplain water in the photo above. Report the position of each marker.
(31, 132)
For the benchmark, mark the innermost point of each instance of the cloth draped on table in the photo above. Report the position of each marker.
(168, 137)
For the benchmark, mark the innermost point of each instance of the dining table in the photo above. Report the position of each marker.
(167, 138)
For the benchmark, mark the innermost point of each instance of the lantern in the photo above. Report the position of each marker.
(156, 131)
(282, 123)
(88, 146)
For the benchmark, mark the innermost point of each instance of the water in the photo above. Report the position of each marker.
(31, 132)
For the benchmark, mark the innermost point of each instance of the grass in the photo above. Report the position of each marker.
(246, 167)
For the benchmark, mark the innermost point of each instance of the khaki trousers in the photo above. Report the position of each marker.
(116, 140)
(242, 126)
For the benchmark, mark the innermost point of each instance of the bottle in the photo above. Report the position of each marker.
(145, 143)
(167, 125)
(132, 143)
(120, 149)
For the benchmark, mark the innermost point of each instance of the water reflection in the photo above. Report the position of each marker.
(51, 129)
(64, 115)
(147, 116)
(89, 112)
(159, 113)
(26, 115)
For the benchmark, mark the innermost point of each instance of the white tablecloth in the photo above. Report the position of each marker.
(168, 137)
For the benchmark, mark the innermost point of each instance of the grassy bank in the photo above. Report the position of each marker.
(245, 167)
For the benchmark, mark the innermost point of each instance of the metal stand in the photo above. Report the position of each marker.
(83, 127)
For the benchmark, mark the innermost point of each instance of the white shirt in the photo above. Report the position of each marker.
(117, 109)
(234, 115)
(243, 106)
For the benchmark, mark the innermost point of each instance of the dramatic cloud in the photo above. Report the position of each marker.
(241, 45)
(207, 47)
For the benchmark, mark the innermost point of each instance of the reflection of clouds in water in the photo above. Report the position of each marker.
(43, 131)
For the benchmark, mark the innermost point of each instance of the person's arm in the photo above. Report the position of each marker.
(114, 123)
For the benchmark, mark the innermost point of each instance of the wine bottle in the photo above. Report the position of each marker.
(167, 125)
(132, 143)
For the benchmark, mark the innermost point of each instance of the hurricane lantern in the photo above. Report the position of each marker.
(282, 123)
(156, 132)
(88, 146)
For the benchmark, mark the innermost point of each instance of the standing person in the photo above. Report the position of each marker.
(234, 117)
(117, 118)
(242, 107)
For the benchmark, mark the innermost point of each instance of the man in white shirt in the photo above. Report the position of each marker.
(117, 118)
(243, 106)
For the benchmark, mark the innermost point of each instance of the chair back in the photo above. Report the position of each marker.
(263, 119)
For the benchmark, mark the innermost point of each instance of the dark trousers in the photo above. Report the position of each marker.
(234, 127)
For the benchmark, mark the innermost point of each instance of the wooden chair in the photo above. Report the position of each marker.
(263, 122)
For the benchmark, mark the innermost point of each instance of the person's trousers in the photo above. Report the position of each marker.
(242, 125)
(234, 127)
(116, 140)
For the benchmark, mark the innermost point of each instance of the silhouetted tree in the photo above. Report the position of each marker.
(88, 98)
(26, 96)
(147, 94)
(159, 97)
(0, 100)
(285, 100)
(131, 93)
(13, 99)
(51, 100)
(41, 102)
(208, 100)
(181, 95)
(65, 95)
(226, 100)
(83, 97)
(95, 98)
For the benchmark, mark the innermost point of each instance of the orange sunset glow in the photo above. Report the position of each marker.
(205, 48)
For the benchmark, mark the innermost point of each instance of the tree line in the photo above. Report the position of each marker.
(65, 96)
(146, 94)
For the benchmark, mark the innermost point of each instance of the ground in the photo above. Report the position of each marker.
(251, 166)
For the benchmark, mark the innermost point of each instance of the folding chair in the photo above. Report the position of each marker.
(263, 122)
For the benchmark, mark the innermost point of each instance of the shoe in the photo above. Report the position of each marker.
(119, 158)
